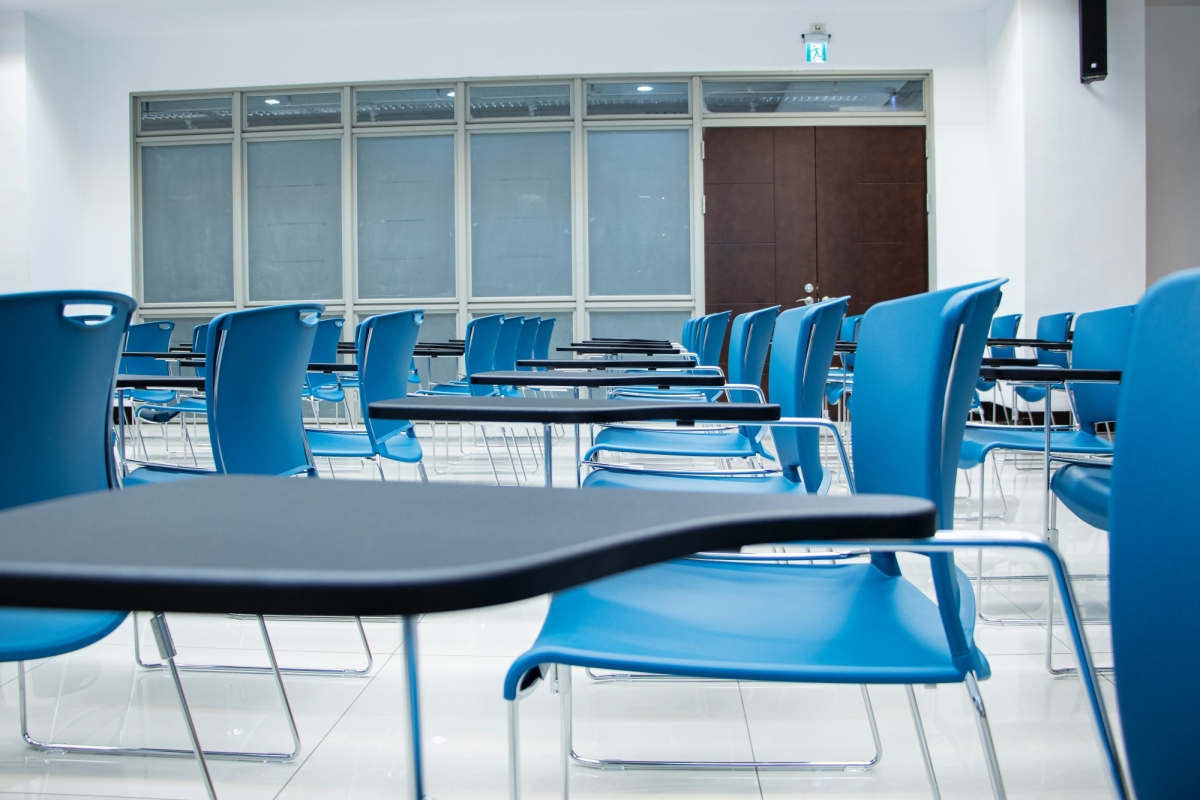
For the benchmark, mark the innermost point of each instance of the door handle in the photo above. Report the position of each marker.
(808, 301)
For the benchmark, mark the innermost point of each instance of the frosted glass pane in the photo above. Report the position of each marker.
(777, 97)
(666, 325)
(294, 206)
(639, 223)
(406, 216)
(521, 214)
(187, 223)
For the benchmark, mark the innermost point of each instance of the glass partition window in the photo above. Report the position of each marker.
(516, 102)
(639, 213)
(839, 96)
(294, 215)
(279, 109)
(608, 99)
(187, 223)
(191, 114)
(404, 105)
(666, 325)
(521, 214)
(406, 216)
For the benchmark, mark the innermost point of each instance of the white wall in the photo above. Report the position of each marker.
(1019, 144)
(1172, 139)
(14, 156)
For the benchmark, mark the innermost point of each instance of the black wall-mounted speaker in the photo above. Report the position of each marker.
(1093, 40)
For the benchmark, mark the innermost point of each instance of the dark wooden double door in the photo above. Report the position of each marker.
(795, 213)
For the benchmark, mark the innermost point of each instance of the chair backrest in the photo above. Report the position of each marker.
(801, 352)
(199, 342)
(506, 344)
(1153, 546)
(148, 337)
(1054, 328)
(712, 338)
(688, 336)
(479, 347)
(53, 345)
(749, 340)
(545, 332)
(1101, 341)
(257, 360)
(1004, 328)
(918, 363)
(324, 350)
(849, 333)
(385, 345)
(525, 342)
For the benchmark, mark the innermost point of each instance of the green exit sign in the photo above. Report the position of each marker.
(816, 52)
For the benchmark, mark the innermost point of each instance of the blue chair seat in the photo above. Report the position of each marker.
(349, 380)
(339, 444)
(144, 475)
(850, 623)
(979, 441)
(725, 444)
(329, 392)
(769, 484)
(28, 633)
(1085, 490)
(156, 396)
(402, 447)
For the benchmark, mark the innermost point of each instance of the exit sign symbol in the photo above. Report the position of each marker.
(816, 52)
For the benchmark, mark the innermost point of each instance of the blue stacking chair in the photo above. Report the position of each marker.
(1101, 342)
(1004, 327)
(383, 342)
(862, 623)
(541, 342)
(506, 351)
(1050, 328)
(1154, 548)
(78, 354)
(323, 386)
(840, 383)
(749, 341)
(710, 338)
(527, 340)
(259, 357)
(479, 355)
(149, 337)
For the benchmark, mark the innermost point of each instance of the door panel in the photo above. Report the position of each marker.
(739, 213)
(741, 273)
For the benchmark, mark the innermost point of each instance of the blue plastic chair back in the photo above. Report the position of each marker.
(712, 338)
(801, 352)
(324, 350)
(545, 332)
(1054, 328)
(525, 342)
(385, 341)
(1154, 548)
(479, 347)
(849, 333)
(688, 336)
(257, 360)
(53, 345)
(918, 361)
(506, 344)
(1004, 328)
(199, 341)
(749, 341)
(148, 337)
(1101, 341)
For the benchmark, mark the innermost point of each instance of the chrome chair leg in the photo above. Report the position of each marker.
(379, 466)
(985, 736)
(423, 473)
(167, 651)
(362, 638)
(920, 726)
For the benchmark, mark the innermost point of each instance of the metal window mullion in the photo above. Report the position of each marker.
(241, 244)
(349, 209)
(697, 186)
(579, 242)
(462, 208)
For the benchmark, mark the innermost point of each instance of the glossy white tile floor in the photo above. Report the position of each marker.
(353, 732)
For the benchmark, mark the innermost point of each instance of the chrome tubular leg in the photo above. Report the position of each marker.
(566, 727)
(416, 777)
(578, 473)
(985, 736)
(166, 651)
(920, 726)
(379, 466)
(423, 473)
(492, 461)
(283, 698)
(514, 749)
(548, 455)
